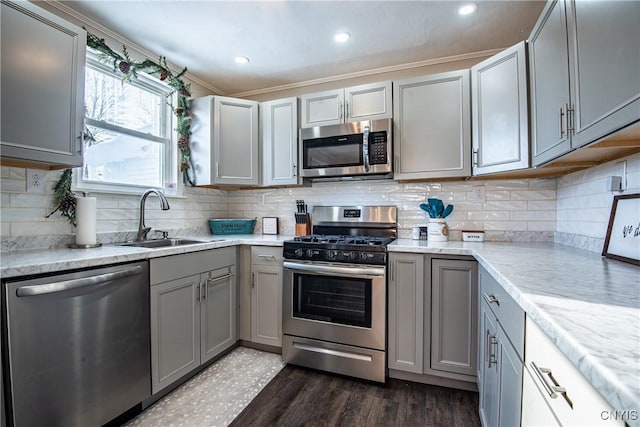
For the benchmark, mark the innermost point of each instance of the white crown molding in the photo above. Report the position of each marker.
(129, 43)
(373, 71)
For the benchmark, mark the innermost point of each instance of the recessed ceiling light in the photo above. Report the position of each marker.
(467, 9)
(342, 37)
(242, 60)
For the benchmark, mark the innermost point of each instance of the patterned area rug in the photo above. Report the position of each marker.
(217, 395)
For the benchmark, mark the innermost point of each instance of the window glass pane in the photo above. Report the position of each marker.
(122, 159)
(109, 100)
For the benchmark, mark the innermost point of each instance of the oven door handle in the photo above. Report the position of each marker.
(332, 270)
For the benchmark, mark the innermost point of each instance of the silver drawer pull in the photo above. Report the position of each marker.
(542, 374)
(491, 298)
(219, 278)
(267, 256)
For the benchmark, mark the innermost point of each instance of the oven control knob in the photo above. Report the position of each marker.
(310, 253)
(332, 254)
(364, 256)
(299, 252)
(353, 255)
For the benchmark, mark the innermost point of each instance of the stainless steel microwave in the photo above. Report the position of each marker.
(354, 149)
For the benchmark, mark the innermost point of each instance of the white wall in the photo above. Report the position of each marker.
(24, 226)
(513, 210)
(584, 202)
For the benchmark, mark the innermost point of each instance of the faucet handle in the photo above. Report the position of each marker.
(165, 234)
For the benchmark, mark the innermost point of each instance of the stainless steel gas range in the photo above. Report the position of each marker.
(335, 287)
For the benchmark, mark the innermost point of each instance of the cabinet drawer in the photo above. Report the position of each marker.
(178, 266)
(506, 309)
(266, 255)
(580, 404)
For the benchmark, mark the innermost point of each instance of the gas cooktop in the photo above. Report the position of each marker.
(347, 249)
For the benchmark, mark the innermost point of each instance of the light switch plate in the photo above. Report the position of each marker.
(478, 194)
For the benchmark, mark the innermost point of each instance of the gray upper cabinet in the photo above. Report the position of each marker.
(279, 142)
(42, 106)
(365, 102)
(583, 75)
(604, 67)
(224, 141)
(432, 126)
(500, 112)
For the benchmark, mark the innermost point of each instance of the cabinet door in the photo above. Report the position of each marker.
(42, 97)
(510, 382)
(432, 126)
(406, 311)
(279, 135)
(218, 312)
(604, 67)
(266, 302)
(500, 112)
(454, 300)
(235, 137)
(549, 84)
(368, 102)
(489, 398)
(175, 330)
(323, 108)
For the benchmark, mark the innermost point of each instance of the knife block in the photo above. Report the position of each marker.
(305, 228)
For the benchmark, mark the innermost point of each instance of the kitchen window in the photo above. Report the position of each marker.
(131, 147)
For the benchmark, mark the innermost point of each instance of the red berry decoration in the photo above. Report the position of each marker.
(163, 75)
(183, 143)
(124, 66)
(179, 111)
(184, 92)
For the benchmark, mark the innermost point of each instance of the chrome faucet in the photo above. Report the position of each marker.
(143, 230)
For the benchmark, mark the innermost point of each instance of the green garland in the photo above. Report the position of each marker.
(64, 200)
(130, 69)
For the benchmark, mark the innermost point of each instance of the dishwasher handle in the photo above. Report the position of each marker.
(66, 285)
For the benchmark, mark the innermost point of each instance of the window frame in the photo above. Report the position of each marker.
(171, 183)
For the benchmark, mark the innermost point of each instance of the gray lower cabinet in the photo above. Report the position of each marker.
(42, 105)
(193, 317)
(433, 316)
(266, 295)
(500, 355)
(432, 126)
(584, 81)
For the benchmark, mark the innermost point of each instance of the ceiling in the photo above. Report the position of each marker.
(289, 42)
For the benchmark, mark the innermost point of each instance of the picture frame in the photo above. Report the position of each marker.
(269, 225)
(622, 241)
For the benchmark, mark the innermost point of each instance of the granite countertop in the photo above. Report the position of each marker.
(587, 304)
(23, 263)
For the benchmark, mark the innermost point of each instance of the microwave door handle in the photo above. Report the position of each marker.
(365, 148)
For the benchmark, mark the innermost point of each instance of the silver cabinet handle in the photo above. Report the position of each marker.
(219, 278)
(491, 299)
(493, 355)
(253, 280)
(396, 166)
(217, 170)
(66, 285)
(475, 157)
(569, 116)
(267, 256)
(341, 110)
(199, 291)
(346, 110)
(561, 129)
(80, 143)
(542, 373)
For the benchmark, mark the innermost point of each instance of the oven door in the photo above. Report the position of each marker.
(340, 303)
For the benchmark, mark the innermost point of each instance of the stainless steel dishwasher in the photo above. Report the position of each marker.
(78, 345)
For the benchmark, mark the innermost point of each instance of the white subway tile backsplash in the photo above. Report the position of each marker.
(541, 225)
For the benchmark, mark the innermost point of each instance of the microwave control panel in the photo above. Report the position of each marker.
(378, 148)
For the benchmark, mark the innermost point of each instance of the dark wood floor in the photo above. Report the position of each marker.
(303, 397)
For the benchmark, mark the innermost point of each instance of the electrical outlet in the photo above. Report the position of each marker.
(478, 194)
(35, 181)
